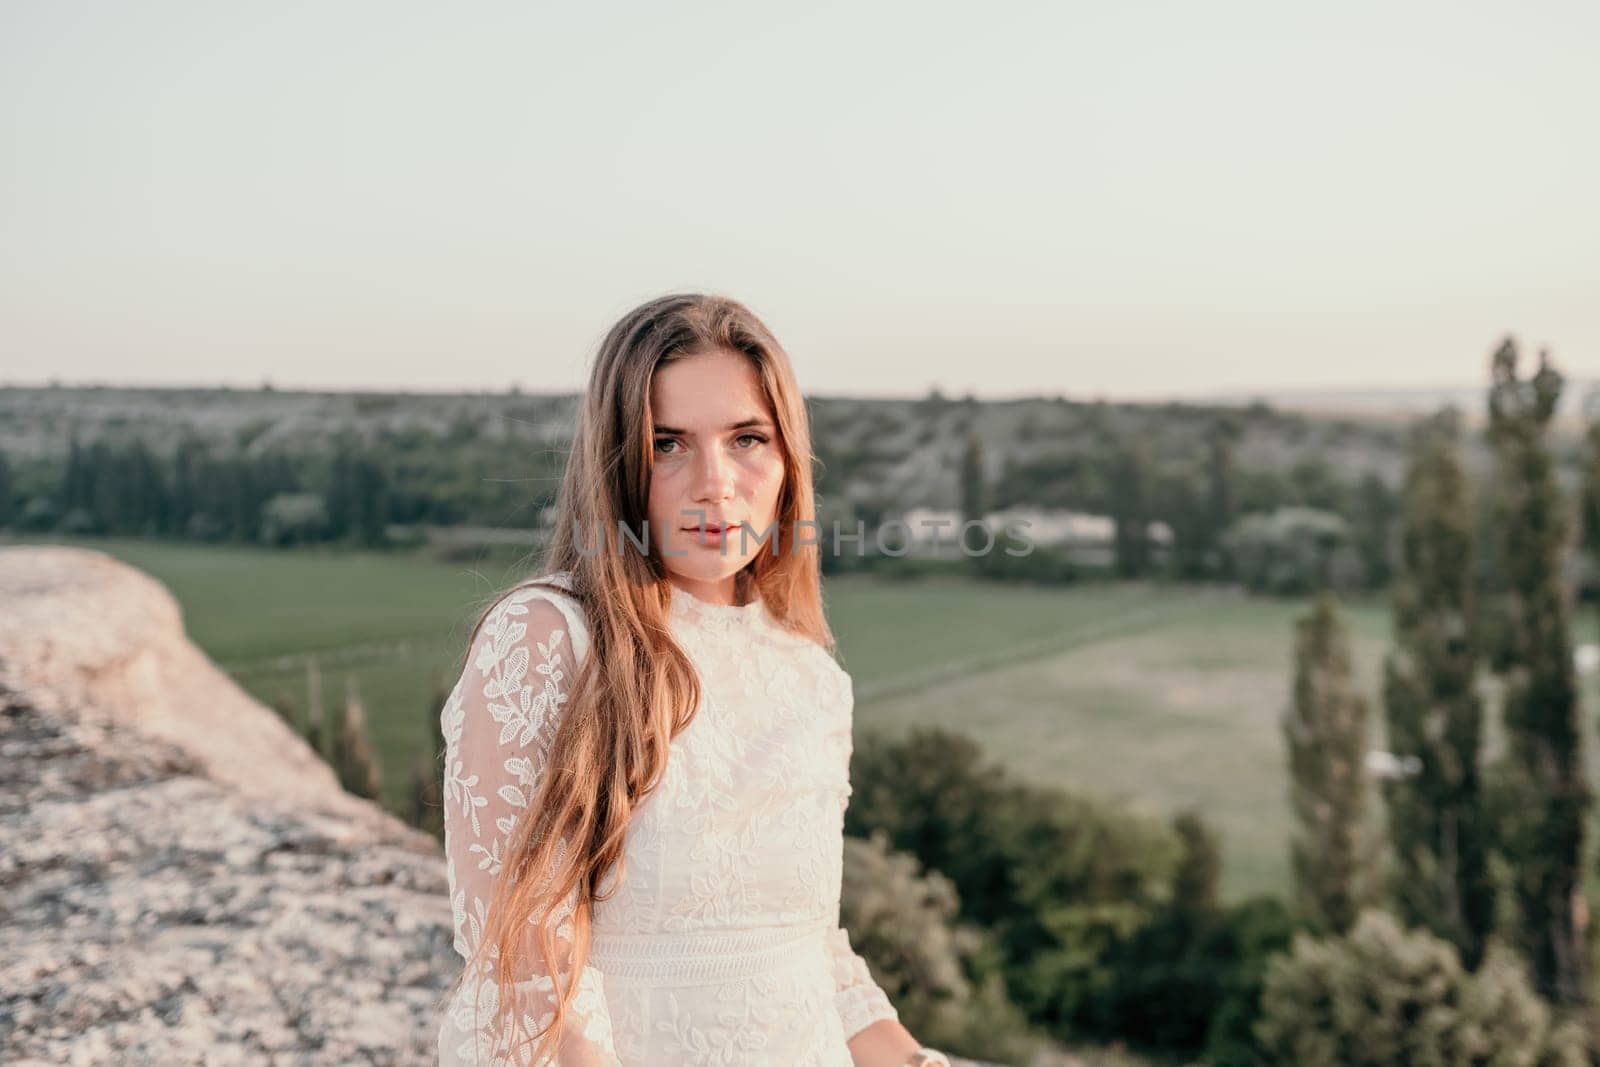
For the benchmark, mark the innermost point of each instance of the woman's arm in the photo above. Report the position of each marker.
(872, 1027)
(884, 1043)
(498, 724)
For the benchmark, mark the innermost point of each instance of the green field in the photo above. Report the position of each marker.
(1156, 696)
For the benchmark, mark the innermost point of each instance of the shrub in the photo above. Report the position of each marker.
(294, 518)
(941, 974)
(1293, 550)
(1384, 995)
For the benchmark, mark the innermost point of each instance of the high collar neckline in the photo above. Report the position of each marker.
(686, 605)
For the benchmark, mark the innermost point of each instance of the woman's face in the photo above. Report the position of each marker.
(717, 462)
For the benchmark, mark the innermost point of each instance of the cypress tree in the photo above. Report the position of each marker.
(339, 494)
(427, 798)
(1589, 518)
(1545, 794)
(1129, 507)
(74, 491)
(1180, 504)
(246, 499)
(1221, 490)
(1376, 509)
(184, 460)
(427, 779)
(354, 758)
(357, 496)
(7, 491)
(212, 482)
(1198, 875)
(1326, 730)
(104, 487)
(316, 727)
(371, 501)
(1435, 718)
(973, 494)
(149, 498)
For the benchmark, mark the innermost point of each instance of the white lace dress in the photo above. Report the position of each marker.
(722, 945)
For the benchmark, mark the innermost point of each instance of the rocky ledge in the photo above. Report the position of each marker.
(181, 879)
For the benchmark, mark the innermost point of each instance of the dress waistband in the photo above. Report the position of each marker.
(692, 957)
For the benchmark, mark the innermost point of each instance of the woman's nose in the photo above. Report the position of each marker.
(715, 476)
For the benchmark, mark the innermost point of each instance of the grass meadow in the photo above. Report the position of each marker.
(1156, 697)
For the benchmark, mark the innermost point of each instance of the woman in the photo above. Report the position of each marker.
(647, 752)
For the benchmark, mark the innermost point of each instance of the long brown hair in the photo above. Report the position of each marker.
(636, 689)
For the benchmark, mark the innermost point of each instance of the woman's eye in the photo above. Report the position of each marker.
(745, 441)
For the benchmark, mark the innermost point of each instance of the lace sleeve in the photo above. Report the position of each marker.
(499, 722)
(859, 998)
(857, 995)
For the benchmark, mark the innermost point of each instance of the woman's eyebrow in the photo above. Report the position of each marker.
(742, 424)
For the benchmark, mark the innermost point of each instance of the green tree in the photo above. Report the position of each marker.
(185, 458)
(1166, 985)
(107, 489)
(1060, 881)
(1199, 872)
(357, 497)
(427, 777)
(974, 494)
(8, 511)
(937, 800)
(1181, 505)
(1128, 492)
(316, 730)
(75, 491)
(1589, 497)
(1326, 730)
(1437, 824)
(250, 497)
(354, 758)
(1221, 487)
(1544, 795)
(1375, 508)
(1316, 484)
(145, 497)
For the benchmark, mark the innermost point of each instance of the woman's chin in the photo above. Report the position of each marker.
(704, 565)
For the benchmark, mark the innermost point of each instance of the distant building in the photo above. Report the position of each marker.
(924, 531)
(1054, 526)
(1057, 526)
(1086, 538)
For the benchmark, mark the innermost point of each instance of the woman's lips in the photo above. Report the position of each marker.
(712, 535)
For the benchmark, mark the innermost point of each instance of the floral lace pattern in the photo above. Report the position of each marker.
(721, 944)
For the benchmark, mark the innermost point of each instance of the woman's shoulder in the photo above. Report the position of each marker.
(557, 589)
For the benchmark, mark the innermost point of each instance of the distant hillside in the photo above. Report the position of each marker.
(1400, 402)
(42, 421)
(877, 455)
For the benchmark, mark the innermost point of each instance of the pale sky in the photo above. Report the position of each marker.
(1118, 199)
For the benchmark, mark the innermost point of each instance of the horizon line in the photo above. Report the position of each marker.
(1234, 395)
